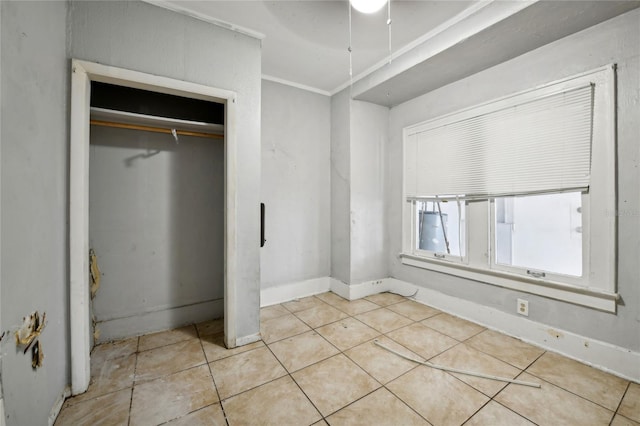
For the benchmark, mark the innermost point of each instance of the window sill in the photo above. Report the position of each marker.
(600, 300)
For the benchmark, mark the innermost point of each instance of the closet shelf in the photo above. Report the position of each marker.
(151, 123)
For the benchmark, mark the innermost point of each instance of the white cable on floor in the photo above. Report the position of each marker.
(455, 370)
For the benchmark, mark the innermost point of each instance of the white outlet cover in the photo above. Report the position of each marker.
(523, 307)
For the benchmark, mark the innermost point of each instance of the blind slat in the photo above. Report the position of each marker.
(542, 145)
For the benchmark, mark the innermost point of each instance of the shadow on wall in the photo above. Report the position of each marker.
(156, 219)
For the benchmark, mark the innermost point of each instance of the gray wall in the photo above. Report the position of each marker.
(613, 41)
(142, 37)
(359, 133)
(295, 184)
(369, 135)
(38, 39)
(340, 187)
(34, 228)
(156, 223)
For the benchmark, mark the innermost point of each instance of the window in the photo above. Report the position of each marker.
(537, 173)
(539, 235)
(440, 228)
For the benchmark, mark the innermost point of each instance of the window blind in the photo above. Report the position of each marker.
(540, 145)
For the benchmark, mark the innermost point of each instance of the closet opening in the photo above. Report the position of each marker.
(152, 204)
(156, 211)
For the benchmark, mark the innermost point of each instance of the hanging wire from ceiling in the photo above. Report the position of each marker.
(389, 27)
(350, 48)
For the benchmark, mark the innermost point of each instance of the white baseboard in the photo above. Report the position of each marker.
(164, 319)
(604, 356)
(241, 341)
(358, 291)
(286, 292)
(55, 410)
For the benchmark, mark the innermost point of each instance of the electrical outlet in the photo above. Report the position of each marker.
(523, 307)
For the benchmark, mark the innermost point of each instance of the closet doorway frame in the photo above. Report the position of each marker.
(82, 74)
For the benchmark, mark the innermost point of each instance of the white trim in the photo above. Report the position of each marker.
(2, 412)
(82, 74)
(559, 291)
(603, 75)
(451, 33)
(296, 85)
(602, 355)
(79, 230)
(57, 406)
(358, 291)
(597, 288)
(613, 359)
(172, 6)
(245, 340)
(157, 320)
(296, 290)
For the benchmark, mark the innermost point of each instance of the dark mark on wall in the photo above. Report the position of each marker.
(36, 356)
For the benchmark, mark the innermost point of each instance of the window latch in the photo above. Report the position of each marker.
(536, 274)
(439, 255)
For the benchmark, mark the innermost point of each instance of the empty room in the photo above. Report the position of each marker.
(320, 212)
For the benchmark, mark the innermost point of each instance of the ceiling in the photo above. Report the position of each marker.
(305, 42)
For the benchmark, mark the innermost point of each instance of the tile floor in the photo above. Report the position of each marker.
(318, 364)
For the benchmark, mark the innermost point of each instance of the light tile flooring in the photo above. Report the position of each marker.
(318, 364)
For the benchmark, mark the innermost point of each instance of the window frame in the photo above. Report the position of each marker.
(552, 276)
(445, 257)
(597, 286)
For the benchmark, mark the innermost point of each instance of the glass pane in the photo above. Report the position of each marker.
(440, 227)
(540, 232)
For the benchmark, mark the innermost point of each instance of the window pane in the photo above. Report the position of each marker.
(440, 227)
(540, 232)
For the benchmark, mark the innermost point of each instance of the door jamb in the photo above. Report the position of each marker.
(82, 73)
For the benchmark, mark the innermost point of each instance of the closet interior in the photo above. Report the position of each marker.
(156, 210)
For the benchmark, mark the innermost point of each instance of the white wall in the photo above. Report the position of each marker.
(612, 41)
(156, 223)
(146, 38)
(295, 185)
(35, 75)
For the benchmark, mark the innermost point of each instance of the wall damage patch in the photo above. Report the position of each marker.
(36, 355)
(27, 336)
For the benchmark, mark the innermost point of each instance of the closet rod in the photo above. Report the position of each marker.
(155, 129)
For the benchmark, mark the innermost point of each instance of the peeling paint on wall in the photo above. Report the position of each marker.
(27, 337)
(31, 328)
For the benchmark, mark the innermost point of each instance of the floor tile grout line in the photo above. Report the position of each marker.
(165, 331)
(239, 353)
(570, 391)
(290, 374)
(213, 380)
(439, 331)
(312, 327)
(495, 357)
(298, 299)
(620, 402)
(340, 352)
(510, 409)
(566, 390)
(133, 382)
(402, 400)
